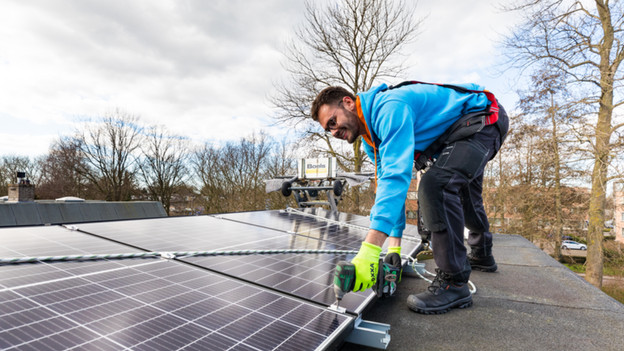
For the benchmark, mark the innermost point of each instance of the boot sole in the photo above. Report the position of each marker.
(492, 268)
(461, 303)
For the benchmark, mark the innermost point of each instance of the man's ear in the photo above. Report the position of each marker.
(348, 103)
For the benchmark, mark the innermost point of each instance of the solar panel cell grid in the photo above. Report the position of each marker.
(340, 229)
(50, 241)
(143, 310)
(144, 304)
(306, 275)
(176, 233)
(147, 304)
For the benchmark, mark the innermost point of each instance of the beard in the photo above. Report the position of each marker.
(352, 138)
(352, 128)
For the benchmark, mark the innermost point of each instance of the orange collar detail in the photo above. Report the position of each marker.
(367, 137)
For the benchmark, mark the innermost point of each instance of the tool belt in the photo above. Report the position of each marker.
(464, 127)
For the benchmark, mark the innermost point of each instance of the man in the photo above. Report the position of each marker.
(462, 128)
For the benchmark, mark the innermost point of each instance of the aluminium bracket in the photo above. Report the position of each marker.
(371, 334)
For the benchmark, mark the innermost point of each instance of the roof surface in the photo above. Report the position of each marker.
(47, 212)
(531, 303)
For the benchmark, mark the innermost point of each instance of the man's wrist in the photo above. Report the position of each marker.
(376, 237)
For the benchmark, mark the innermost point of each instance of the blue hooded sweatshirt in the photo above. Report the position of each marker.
(402, 121)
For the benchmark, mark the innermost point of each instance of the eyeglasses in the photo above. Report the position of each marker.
(331, 123)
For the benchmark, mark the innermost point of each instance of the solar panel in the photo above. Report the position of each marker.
(313, 223)
(143, 303)
(307, 222)
(308, 276)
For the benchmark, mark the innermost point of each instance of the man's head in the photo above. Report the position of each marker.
(334, 108)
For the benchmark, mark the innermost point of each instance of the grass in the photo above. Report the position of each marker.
(576, 267)
(616, 291)
(614, 270)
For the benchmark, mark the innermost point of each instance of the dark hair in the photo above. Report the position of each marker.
(328, 96)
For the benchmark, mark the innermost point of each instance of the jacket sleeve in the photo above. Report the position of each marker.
(397, 231)
(394, 126)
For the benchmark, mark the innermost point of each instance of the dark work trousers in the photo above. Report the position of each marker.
(450, 194)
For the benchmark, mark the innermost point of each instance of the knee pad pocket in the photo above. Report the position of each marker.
(464, 157)
(431, 200)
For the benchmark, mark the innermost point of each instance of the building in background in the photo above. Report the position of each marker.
(618, 211)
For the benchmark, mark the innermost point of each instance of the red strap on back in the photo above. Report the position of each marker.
(490, 119)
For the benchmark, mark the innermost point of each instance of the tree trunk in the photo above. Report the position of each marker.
(558, 232)
(595, 237)
(597, 200)
(593, 273)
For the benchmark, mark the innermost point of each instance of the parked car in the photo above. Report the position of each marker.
(572, 245)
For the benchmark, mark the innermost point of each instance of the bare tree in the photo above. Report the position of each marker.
(163, 163)
(587, 46)
(353, 43)
(10, 165)
(520, 186)
(206, 165)
(60, 171)
(107, 148)
(282, 160)
(525, 167)
(232, 176)
(547, 103)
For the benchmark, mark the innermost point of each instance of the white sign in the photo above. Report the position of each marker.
(317, 168)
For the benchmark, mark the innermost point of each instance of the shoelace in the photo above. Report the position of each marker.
(438, 281)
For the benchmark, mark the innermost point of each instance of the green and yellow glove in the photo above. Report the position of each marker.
(396, 249)
(366, 264)
(393, 260)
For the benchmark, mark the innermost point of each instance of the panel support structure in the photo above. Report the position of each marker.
(371, 334)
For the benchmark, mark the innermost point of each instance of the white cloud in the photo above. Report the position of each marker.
(202, 68)
(460, 43)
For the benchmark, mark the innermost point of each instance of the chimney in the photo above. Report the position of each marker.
(23, 191)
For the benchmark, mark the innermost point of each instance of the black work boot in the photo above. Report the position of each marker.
(481, 259)
(445, 292)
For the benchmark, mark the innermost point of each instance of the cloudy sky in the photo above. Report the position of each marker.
(202, 68)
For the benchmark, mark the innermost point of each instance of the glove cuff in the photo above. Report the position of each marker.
(396, 249)
(370, 251)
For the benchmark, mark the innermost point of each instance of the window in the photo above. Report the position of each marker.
(622, 216)
(622, 231)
